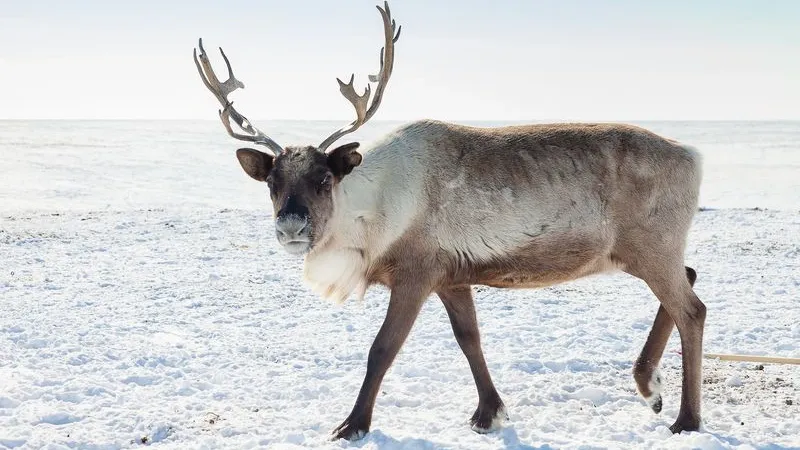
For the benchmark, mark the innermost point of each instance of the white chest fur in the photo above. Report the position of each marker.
(336, 272)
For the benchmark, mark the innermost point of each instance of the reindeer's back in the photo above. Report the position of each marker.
(614, 164)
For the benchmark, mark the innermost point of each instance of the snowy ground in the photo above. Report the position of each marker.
(135, 309)
(192, 329)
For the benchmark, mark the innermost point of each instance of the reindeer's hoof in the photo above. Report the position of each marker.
(685, 424)
(488, 419)
(352, 429)
(654, 400)
(656, 403)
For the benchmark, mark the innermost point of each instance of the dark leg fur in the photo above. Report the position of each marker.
(405, 303)
(692, 313)
(461, 309)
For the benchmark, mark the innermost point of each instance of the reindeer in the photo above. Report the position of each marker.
(436, 207)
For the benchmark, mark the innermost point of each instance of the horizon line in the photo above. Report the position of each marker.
(550, 120)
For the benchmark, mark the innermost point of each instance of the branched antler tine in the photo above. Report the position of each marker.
(209, 77)
(360, 102)
(376, 77)
(387, 60)
(343, 85)
(227, 63)
(231, 84)
(242, 121)
(255, 136)
(225, 115)
(221, 90)
(202, 74)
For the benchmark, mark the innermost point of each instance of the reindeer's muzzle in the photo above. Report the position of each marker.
(293, 227)
(293, 233)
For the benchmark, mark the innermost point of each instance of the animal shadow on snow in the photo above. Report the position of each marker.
(508, 434)
(736, 442)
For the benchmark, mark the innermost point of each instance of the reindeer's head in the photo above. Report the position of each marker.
(301, 179)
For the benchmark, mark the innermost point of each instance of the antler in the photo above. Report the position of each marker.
(382, 78)
(221, 90)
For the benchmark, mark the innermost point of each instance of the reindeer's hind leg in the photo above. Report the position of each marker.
(674, 290)
(461, 309)
(645, 371)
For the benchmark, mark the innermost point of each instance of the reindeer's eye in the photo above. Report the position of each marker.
(326, 183)
(273, 193)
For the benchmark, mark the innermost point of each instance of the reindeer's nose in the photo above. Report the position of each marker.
(292, 228)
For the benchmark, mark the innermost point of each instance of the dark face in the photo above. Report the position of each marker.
(301, 182)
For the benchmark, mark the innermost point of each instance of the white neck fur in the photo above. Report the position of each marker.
(337, 265)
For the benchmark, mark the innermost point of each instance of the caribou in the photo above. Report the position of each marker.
(436, 207)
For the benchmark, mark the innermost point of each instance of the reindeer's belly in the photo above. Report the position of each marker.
(520, 280)
(541, 263)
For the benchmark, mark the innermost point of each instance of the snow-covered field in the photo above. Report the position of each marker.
(144, 301)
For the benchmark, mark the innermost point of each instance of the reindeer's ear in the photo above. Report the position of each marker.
(342, 160)
(257, 164)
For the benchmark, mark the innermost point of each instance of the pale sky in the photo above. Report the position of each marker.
(456, 60)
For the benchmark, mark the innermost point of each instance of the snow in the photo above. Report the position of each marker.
(733, 381)
(144, 301)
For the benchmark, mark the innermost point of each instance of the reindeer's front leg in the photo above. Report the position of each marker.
(404, 305)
